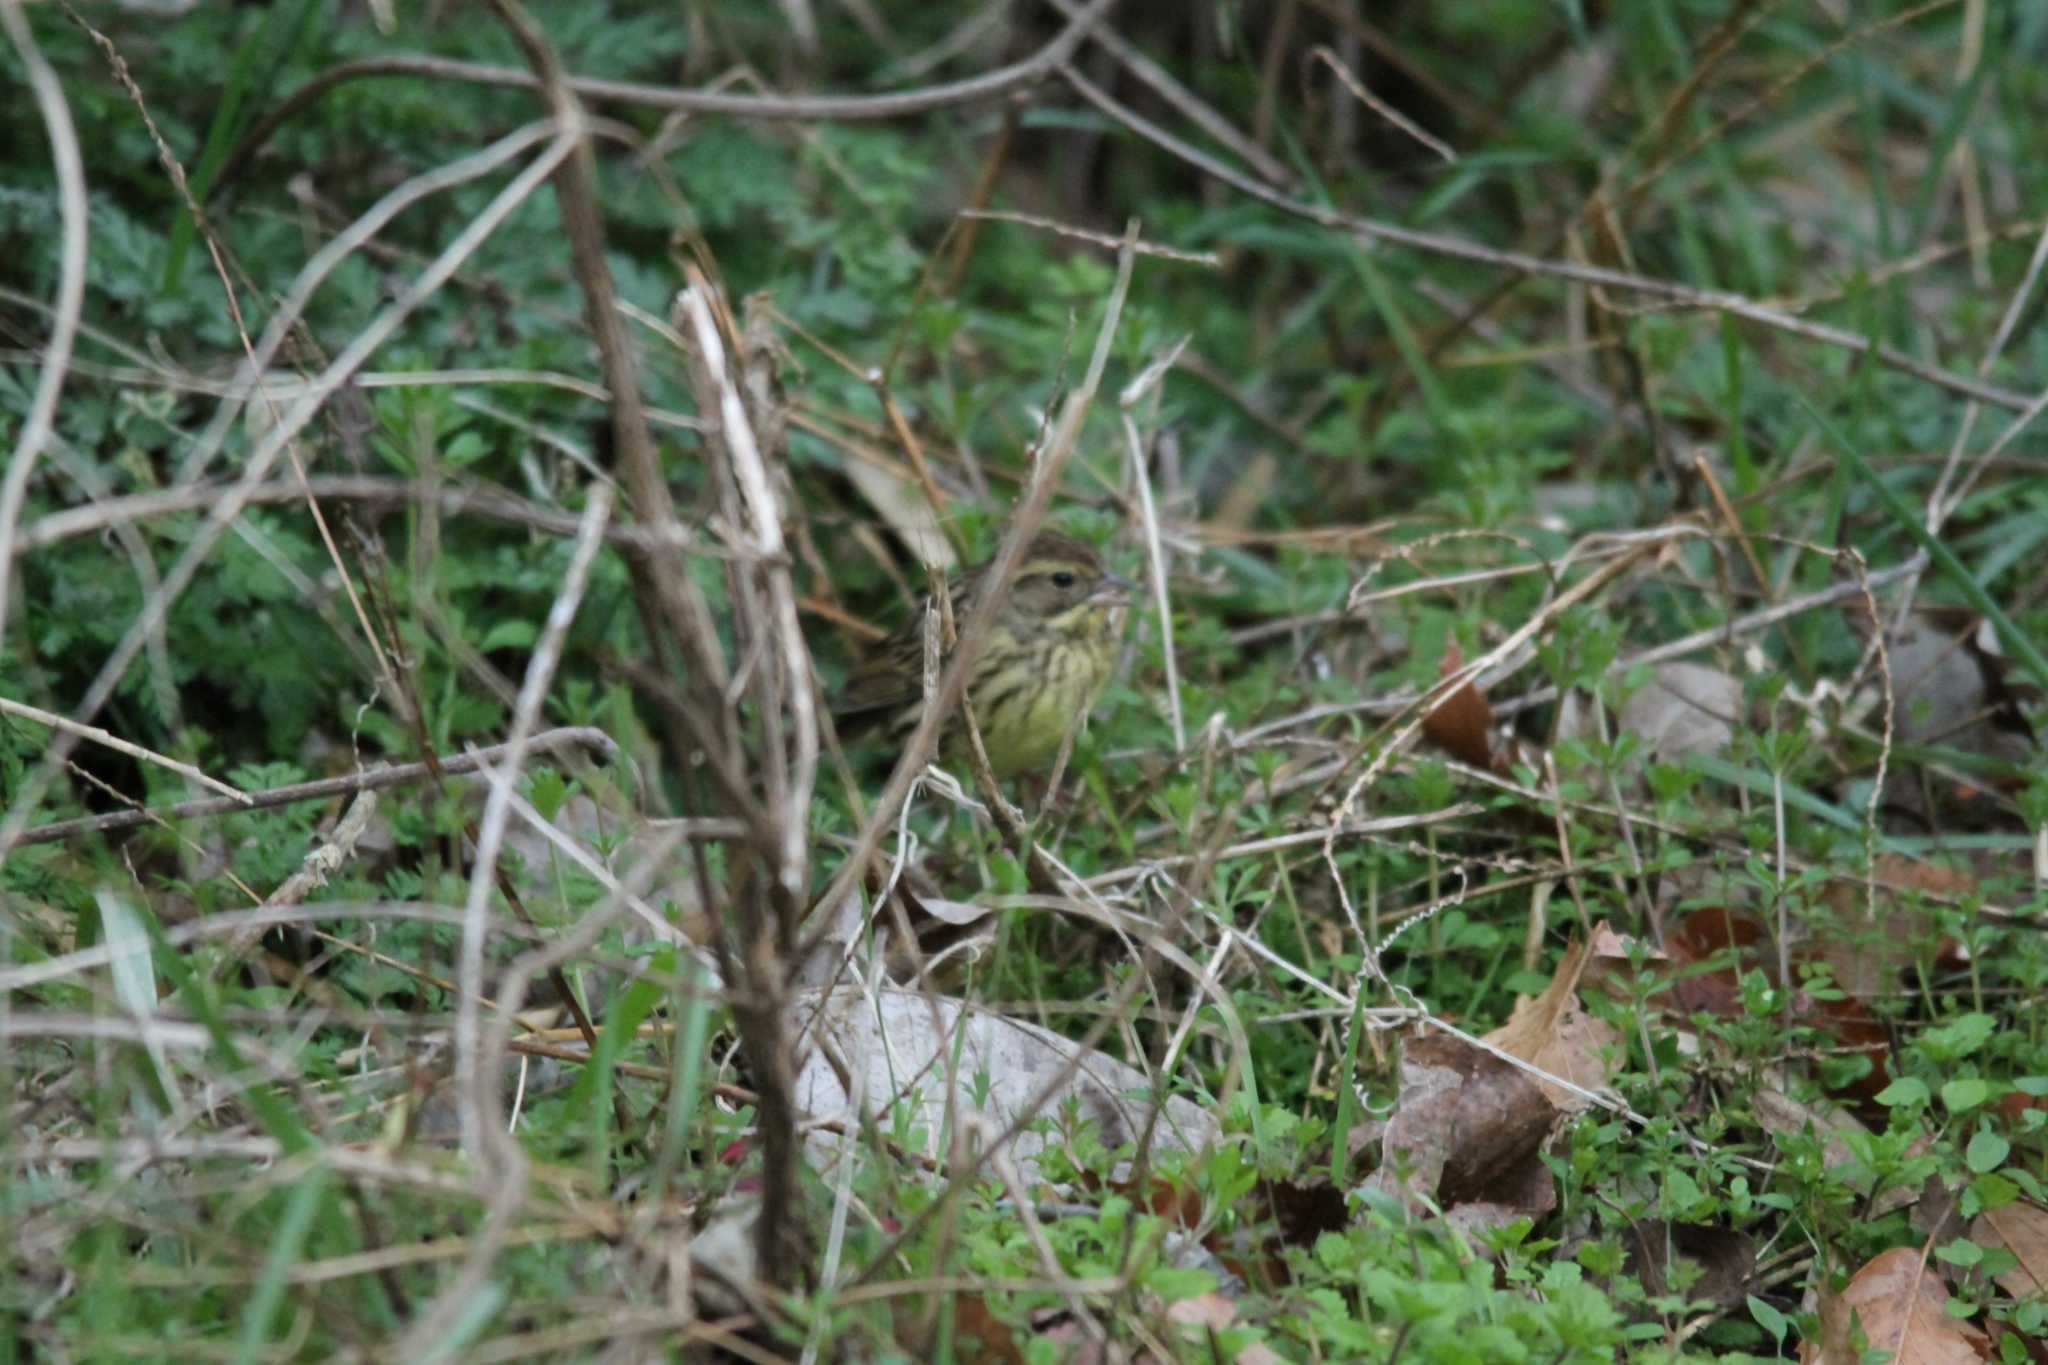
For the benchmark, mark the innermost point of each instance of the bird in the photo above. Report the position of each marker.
(1040, 669)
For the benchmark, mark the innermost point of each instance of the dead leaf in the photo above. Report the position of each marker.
(1462, 722)
(1709, 934)
(1610, 963)
(1950, 690)
(723, 1263)
(1898, 1303)
(1949, 686)
(1852, 1030)
(1934, 1207)
(1684, 709)
(979, 1336)
(1553, 1032)
(899, 1049)
(1464, 1129)
(1703, 936)
(892, 490)
(2020, 1227)
(1726, 1260)
(1866, 952)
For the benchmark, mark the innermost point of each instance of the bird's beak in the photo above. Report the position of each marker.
(1113, 591)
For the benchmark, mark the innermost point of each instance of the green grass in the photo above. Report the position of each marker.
(1370, 458)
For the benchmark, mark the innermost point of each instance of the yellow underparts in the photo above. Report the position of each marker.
(1024, 719)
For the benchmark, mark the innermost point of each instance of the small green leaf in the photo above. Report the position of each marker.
(1907, 1092)
(1769, 1318)
(1987, 1151)
(510, 635)
(1962, 1251)
(548, 790)
(1959, 1037)
(1171, 1283)
(1988, 1192)
(1965, 1093)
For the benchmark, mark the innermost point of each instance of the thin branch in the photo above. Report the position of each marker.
(1438, 244)
(365, 488)
(540, 671)
(1149, 73)
(98, 736)
(1726, 633)
(1379, 106)
(1147, 383)
(1940, 506)
(764, 529)
(799, 108)
(781, 682)
(375, 779)
(1101, 239)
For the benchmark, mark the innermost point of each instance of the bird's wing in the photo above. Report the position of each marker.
(878, 682)
(890, 677)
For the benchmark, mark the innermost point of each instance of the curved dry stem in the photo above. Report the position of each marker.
(786, 108)
(1438, 244)
(38, 428)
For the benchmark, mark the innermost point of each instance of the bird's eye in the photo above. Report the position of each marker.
(1063, 579)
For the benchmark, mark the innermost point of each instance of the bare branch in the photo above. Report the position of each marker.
(1438, 244)
(122, 746)
(799, 108)
(375, 779)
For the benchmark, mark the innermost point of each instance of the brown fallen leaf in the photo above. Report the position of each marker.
(1951, 685)
(1709, 935)
(1867, 952)
(1726, 1260)
(1702, 936)
(2020, 1227)
(979, 1335)
(1464, 1129)
(1462, 722)
(1899, 1305)
(1611, 964)
(1552, 1031)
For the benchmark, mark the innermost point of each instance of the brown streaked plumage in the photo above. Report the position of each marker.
(1045, 660)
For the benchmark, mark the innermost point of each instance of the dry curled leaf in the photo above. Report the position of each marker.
(1462, 722)
(1949, 689)
(1554, 1033)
